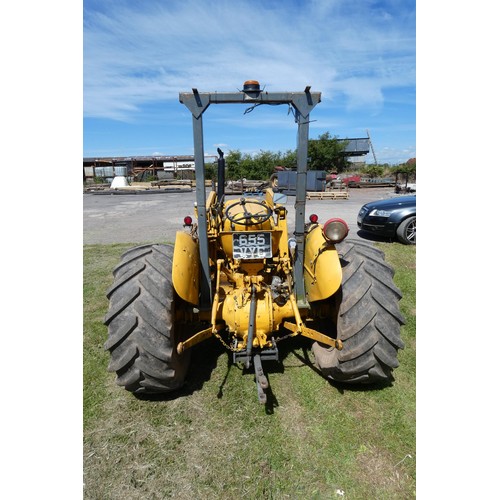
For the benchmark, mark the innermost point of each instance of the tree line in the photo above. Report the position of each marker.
(324, 153)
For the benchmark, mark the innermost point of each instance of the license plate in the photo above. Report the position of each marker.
(252, 245)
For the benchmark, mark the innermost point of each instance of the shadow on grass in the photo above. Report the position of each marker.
(343, 387)
(301, 349)
(204, 359)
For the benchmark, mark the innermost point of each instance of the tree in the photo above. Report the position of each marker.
(408, 169)
(210, 171)
(264, 163)
(326, 153)
(260, 166)
(233, 160)
(373, 171)
(289, 159)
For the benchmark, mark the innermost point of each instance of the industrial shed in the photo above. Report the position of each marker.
(140, 167)
(173, 167)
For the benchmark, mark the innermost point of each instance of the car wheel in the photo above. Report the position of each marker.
(407, 231)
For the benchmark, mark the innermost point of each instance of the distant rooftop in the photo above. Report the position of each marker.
(355, 147)
(113, 159)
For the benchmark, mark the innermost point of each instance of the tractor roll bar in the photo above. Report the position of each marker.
(302, 103)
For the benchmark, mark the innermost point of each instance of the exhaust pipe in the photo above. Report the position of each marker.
(221, 174)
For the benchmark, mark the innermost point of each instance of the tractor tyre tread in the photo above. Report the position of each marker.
(140, 320)
(369, 319)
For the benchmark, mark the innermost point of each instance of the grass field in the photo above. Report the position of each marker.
(315, 440)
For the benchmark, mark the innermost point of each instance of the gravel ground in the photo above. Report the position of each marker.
(157, 216)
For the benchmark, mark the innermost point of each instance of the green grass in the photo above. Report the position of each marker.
(313, 441)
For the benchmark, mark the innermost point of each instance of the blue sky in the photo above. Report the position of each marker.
(138, 56)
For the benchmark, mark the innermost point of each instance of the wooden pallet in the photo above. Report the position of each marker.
(327, 195)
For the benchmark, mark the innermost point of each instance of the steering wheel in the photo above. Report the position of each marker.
(247, 218)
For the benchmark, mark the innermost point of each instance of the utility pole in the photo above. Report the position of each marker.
(371, 146)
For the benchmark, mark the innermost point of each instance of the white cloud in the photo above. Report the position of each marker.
(135, 57)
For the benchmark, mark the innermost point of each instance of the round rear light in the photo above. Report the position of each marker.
(335, 230)
(188, 221)
(313, 218)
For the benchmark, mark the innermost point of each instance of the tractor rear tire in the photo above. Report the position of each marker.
(141, 330)
(368, 319)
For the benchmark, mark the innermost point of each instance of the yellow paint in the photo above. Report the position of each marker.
(186, 268)
(235, 279)
(315, 335)
(269, 315)
(322, 270)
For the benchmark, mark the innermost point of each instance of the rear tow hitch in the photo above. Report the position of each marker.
(260, 379)
(269, 354)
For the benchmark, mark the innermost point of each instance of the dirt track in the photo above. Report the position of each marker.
(140, 218)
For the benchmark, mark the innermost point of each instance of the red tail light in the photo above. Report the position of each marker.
(313, 218)
(188, 221)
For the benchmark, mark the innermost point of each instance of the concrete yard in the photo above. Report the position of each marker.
(157, 216)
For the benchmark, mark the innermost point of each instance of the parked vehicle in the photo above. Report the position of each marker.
(393, 218)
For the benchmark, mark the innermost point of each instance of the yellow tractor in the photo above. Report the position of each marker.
(237, 273)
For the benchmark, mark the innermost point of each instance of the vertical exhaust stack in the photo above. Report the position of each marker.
(221, 175)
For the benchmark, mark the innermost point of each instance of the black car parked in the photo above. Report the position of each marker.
(392, 218)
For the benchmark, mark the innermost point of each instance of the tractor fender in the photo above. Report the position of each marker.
(186, 268)
(322, 269)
